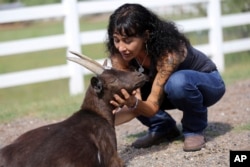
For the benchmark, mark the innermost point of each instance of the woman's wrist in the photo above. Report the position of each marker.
(135, 105)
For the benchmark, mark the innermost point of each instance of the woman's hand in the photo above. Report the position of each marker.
(127, 99)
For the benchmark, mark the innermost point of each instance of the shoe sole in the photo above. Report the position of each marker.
(194, 148)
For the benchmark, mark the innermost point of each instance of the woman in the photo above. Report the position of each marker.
(179, 77)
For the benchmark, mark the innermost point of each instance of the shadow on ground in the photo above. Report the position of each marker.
(216, 129)
(213, 130)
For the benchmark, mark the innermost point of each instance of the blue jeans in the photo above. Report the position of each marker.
(191, 92)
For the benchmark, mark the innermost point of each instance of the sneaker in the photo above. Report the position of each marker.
(194, 143)
(154, 138)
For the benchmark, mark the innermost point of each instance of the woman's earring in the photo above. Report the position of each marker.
(146, 46)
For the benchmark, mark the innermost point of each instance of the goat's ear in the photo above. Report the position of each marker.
(96, 84)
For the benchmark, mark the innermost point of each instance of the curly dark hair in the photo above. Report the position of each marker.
(134, 20)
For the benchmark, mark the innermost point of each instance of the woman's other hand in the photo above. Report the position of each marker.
(128, 100)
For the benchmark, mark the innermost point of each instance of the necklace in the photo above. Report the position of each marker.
(141, 69)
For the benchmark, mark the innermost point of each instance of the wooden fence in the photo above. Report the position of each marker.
(72, 39)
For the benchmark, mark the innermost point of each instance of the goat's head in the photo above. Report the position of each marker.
(109, 81)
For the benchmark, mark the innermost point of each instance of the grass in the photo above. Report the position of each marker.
(237, 67)
(33, 29)
(48, 100)
(39, 100)
(26, 61)
(30, 30)
(51, 100)
(245, 127)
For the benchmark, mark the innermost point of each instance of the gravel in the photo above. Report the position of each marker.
(228, 129)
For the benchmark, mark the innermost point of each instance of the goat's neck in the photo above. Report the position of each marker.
(100, 106)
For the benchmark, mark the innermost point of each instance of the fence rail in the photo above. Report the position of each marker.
(72, 38)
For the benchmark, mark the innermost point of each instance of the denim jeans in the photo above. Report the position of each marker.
(191, 92)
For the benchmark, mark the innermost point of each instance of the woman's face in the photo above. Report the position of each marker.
(129, 47)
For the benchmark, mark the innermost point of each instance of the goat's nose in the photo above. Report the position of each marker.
(139, 74)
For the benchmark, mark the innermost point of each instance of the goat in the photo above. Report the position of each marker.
(85, 139)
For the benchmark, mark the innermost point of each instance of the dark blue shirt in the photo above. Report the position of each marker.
(198, 61)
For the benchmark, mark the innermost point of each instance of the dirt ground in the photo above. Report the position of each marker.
(226, 131)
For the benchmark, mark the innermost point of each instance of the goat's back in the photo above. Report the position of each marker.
(83, 140)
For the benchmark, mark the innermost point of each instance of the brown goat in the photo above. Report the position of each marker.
(87, 138)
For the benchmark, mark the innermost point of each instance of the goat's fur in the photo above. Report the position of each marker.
(86, 139)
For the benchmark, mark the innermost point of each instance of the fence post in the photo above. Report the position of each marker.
(72, 34)
(215, 33)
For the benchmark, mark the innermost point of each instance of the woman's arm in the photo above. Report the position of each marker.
(164, 68)
(166, 65)
(123, 115)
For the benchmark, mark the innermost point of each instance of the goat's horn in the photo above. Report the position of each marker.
(86, 62)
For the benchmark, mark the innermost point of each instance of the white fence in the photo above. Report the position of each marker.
(72, 39)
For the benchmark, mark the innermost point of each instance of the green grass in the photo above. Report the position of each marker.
(46, 58)
(51, 100)
(30, 30)
(33, 29)
(245, 127)
(46, 108)
(26, 61)
(32, 60)
(47, 100)
(236, 67)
